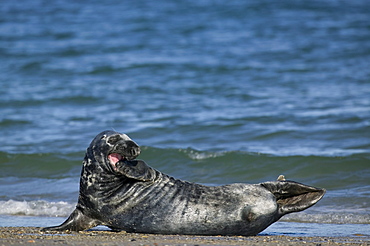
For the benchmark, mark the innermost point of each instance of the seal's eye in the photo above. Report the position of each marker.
(114, 139)
(103, 137)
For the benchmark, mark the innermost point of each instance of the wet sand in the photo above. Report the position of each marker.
(32, 236)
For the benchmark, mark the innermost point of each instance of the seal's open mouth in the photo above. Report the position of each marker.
(114, 158)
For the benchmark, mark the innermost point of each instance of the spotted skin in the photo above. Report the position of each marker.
(123, 193)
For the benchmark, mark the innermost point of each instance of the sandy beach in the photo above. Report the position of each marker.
(32, 236)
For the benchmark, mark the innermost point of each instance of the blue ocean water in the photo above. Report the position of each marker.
(216, 92)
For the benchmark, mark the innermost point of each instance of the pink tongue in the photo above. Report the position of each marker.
(114, 158)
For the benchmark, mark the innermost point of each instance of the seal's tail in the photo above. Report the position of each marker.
(292, 196)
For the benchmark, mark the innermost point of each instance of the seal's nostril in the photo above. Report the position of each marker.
(135, 151)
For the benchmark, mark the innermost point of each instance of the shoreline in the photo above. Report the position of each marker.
(33, 236)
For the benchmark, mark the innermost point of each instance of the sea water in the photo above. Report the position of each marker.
(215, 92)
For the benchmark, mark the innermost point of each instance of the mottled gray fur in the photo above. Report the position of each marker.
(126, 194)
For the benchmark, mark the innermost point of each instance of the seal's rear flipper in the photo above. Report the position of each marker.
(292, 196)
(77, 221)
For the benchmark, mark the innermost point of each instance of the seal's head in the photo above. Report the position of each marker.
(110, 147)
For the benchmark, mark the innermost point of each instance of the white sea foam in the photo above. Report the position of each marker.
(36, 208)
(198, 155)
(329, 218)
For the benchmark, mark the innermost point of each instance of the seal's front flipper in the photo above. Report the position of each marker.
(136, 169)
(292, 196)
(77, 221)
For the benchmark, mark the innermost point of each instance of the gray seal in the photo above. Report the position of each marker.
(123, 193)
